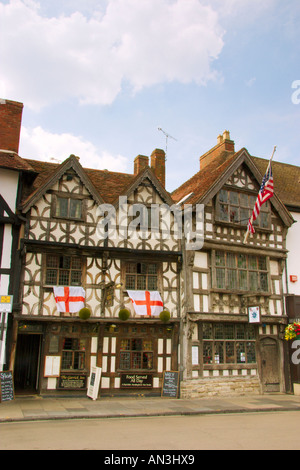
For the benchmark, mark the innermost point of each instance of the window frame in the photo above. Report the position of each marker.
(239, 206)
(138, 275)
(256, 278)
(69, 198)
(61, 267)
(219, 345)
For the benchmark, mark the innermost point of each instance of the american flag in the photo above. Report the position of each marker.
(266, 192)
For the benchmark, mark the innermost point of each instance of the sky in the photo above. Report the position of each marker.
(108, 80)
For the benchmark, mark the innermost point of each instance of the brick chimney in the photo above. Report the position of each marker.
(140, 163)
(225, 146)
(158, 165)
(10, 124)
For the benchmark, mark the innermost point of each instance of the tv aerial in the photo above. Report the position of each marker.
(167, 137)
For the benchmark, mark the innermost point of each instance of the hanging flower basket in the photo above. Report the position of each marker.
(292, 331)
(84, 313)
(164, 316)
(124, 314)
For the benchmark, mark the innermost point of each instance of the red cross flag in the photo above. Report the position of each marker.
(69, 299)
(146, 303)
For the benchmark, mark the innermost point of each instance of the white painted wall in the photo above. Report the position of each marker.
(9, 186)
(293, 261)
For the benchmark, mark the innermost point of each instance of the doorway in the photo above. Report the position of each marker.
(270, 365)
(26, 370)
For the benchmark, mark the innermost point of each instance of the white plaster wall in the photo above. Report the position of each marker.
(9, 186)
(293, 261)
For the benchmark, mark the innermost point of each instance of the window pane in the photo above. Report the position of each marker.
(75, 278)
(219, 331)
(207, 331)
(263, 282)
(136, 360)
(130, 282)
(220, 258)
(234, 198)
(62, 207)
(219, 352)
(75, 208)
(232, 279)
(223, 196)
(125, 345)
(242, 261)
(220, 274)
(125, 360)
(253, 278)
(234, 214)
(230, 260)
(230, 359)
(229, 332)
(207, 353)
(251, 355)
(240, 353)
(66, 360)
(224, 212)
(244, 200)
(136, 344)
(147, 360)
(240, 332)
(141, 283)
(51, 276)
(63, 277)
(243, 284)
(152, 283)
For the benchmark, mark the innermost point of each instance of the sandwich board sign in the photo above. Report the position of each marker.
(94, 382)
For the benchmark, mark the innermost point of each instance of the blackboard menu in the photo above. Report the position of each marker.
(6, 386)
(170, 384)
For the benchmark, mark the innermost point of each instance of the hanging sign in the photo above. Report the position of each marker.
(94, 382)
(254, 314)
(6, 303)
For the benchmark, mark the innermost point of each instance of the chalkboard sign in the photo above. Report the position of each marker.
(170, 384)
(6, 386)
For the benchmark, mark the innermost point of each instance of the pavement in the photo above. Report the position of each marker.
(36, 407)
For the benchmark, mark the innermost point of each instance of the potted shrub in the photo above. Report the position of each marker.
(165, 316)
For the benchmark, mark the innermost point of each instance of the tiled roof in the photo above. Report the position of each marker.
(286, 180)
(12, 161)
(109, 184)
(202, 181)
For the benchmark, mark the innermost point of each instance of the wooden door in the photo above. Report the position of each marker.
(270, 365)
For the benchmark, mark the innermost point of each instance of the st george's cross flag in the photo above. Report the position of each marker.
(69, 299)
(146, 302)
(266, 191)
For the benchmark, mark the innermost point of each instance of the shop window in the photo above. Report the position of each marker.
(141, 276)
(136, 354)
(73, 354)
(63, 270)
(228, 344)
(241, 272)
(235, 207)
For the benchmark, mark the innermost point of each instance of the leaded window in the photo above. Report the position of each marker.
(141, 276)
(225, 343)
(63, 270)
(136, 354)
(241, 272)
(237, 207)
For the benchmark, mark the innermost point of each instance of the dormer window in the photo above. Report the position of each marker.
(236, 207)
(68, 208)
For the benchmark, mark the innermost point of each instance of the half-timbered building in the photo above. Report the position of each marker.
(226, 350)
(93, 229)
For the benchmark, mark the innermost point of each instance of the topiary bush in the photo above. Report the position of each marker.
(84, 313)
(124, 314)
(164, 316)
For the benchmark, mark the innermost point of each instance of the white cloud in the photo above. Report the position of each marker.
(88, 58)
(39, 144)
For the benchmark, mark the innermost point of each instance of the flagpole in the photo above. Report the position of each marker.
(251, 219)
